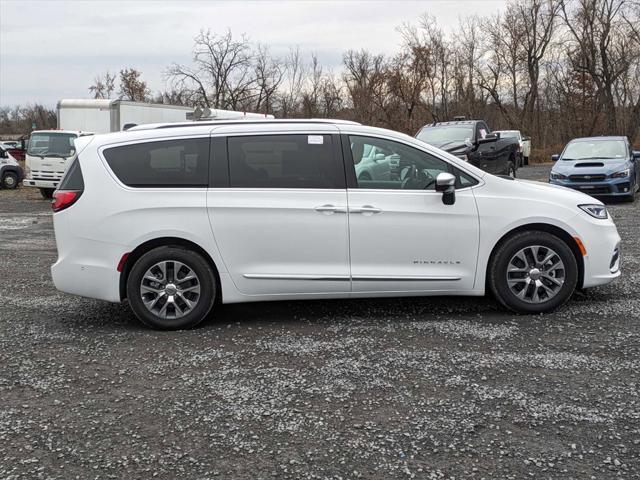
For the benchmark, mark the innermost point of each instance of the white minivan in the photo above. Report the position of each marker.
(176, 218)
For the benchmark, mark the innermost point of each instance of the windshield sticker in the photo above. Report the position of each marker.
(315, 139)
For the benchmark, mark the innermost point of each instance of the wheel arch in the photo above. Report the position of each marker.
(548, 228)
(11, 168)
(149, 245)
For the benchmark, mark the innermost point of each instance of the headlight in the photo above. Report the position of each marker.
(596, 211)
(557, 176)
(621, 174)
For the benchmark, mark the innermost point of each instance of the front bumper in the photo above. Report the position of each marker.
(40, 183)
(602, 244)
(618, 187)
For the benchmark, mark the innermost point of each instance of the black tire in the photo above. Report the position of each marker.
(47, 192)
(193, 261)
(526, 161)
(497, 271)
(511, 170)
(10, 180)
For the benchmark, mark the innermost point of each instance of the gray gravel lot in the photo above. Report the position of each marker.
(394, 388)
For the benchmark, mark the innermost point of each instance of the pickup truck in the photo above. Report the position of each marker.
(525, 143)
(473, 142)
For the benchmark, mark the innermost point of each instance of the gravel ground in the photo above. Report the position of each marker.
(395, 388)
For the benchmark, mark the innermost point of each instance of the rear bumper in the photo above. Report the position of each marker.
(618, 187)
(79, 270)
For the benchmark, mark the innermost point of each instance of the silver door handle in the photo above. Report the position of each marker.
(366, 209)
(330, 209)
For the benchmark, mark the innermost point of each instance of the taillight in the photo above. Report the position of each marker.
(64, 198)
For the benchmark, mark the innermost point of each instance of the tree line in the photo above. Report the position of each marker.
(554, 69)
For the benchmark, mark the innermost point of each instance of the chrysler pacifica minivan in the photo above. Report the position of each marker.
(176, 218)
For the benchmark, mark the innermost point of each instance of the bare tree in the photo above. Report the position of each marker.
(103, 85)
(364, 79)
(269, 74)
(295, 75)
(601, 48)
(221, 75)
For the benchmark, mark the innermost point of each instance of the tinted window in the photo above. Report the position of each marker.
(72, 179)
(283, 161)
(172, 163)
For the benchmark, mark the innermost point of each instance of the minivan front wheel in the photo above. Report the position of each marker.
(533, 272)
(171, 288)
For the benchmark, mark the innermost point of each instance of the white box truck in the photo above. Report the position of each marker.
(50, 151)
(103, 115)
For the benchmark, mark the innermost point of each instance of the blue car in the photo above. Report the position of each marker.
(598, 166)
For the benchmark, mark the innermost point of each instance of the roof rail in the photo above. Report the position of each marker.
(242, 122)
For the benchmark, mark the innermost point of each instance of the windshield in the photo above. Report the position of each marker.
(598, 149)
(51, 144)
(443, 135)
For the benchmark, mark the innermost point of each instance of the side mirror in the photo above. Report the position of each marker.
(636, 154)
(491, 137)
(526, 139)
(555, 158)
(446, 183)
(378, 157)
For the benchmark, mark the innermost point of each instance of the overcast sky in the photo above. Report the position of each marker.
(54, 49)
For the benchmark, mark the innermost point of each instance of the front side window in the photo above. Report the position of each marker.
(385, 164)
(51, 144)
(172, 163)
(283, 161)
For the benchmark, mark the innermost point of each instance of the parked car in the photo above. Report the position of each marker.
(473, 141)
(524, 142)
(376, 162)
(16, 148)
(178, 217)
(10, 170)
(600, 166)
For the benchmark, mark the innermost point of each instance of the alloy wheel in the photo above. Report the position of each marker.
(535, 274)
(170, 289)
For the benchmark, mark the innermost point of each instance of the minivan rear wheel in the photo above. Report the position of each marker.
(171, 288)
(533, 272)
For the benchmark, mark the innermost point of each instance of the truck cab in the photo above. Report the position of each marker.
(48, 154)
(474, 142)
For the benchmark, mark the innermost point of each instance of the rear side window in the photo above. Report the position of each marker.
(72, 179)
(172, 163)
(283, 161)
